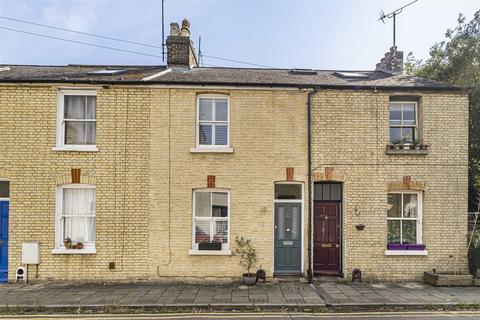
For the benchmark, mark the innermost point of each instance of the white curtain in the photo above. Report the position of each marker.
(79, 214)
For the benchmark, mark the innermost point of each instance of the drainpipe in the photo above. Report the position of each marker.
(309, 152)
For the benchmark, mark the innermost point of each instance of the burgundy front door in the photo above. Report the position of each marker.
(326, 238)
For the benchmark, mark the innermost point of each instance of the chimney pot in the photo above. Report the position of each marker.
(174, 29)
(185, 28)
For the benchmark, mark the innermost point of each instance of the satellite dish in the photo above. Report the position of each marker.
(382, 16)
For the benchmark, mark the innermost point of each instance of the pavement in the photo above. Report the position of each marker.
(277, 296)
(409, 295)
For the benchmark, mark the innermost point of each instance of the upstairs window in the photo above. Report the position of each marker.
(77, 119)
(212, 121)
(403, 122)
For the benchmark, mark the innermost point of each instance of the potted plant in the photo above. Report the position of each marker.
(416, 145)
(67, 243)
(248, 259)
(79, 245)
(210, 245)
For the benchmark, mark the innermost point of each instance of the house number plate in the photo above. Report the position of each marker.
(288, 243)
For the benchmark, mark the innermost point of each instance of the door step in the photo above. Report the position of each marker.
(289, 278)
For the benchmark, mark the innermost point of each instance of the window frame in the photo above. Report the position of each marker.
(60, 144)
(198, 122)
(419, 214)
(59, 226)
(225, 246)
(415, 127)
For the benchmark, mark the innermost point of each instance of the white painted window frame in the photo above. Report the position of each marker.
(401, 125)
(61, 146)
(419, 209)
(88, 247)
(225, 246)
(213, 146)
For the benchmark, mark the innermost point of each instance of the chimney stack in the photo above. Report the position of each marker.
(392, 62)
(180, 50)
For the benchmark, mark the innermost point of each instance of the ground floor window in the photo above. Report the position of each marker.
(404, 218)
(76, 214)
(211, 217)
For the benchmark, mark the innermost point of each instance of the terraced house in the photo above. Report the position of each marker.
(130, 172)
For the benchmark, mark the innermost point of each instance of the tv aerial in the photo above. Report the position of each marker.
(384, 16)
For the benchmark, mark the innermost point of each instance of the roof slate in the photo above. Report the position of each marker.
(214, 76)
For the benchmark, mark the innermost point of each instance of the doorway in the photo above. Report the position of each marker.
(4, 207)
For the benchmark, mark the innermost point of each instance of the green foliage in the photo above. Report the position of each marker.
(248, 254)
(456, 60)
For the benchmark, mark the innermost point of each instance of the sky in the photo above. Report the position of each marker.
(316, 34)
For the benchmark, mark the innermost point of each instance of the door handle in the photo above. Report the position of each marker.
(337, 246)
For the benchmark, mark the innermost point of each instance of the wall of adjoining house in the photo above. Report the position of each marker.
(120, 171)
(350, 135)
(267, 133)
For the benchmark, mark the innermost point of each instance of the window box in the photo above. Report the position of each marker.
(415, 149)
(396, 246)
(209, 246)
(416, 247)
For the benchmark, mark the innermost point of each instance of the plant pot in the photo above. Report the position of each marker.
(416, 247)
(445, 279)
(396, 246)
(397, 147)
(67, 244)
(249, 279)
(79, 245)
(391, 146)
(417, 147)
(209, 246)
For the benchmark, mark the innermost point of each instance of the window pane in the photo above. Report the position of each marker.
(335, 192)
(91, 107)
(77, 205)
(205, 109)
(407, 135)
(393, 231)
(221, 231)
(75, 107)
(75, 132)
(394, 205)
(91, 132)
(205, 132)
(317, 191)
(203, 204)
(326, 192)
(4, 189)
(221, 135)
(221, 109)
(410, 206)
(202, 230)
(281, 223)
(409, 114)
(395, 114)
(295, 223)
(409, 231)
(219, 204)
(395, 135)
(288, 191)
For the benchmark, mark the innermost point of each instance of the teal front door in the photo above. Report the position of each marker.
(288, 238)
(3, 241)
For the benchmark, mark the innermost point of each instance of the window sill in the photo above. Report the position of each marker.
(74, 251)
(209, 252)
(406, 252)
(76, 148)
(407, 151)
(211, 150)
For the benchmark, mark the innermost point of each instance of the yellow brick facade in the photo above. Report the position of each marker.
(144, 175)
(350, 135)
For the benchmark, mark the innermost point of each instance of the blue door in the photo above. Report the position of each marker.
(3, 241)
